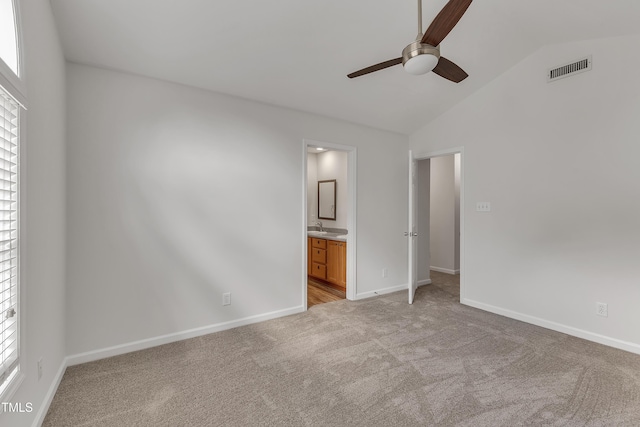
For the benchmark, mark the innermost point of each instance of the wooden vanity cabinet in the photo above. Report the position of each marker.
(327, 260)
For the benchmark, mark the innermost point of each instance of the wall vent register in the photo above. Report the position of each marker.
(571, 69)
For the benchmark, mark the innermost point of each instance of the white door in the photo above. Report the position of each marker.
(412, 235)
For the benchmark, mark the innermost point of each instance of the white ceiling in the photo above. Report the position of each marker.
(297, 53)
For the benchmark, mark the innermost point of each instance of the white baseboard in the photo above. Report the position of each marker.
(569, 330)
(117, 350)
(370, 294)
(392, 289)
(444, 270)
(48, 398)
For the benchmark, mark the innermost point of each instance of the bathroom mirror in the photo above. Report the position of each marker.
(327, 199)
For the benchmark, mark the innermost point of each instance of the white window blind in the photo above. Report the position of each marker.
(9, 136)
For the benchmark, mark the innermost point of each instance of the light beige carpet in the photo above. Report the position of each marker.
(376, 362)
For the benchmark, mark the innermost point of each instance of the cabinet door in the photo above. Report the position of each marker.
(343, 267)
(335, 263)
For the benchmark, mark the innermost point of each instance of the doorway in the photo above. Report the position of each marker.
(329, 232)
(437, 213)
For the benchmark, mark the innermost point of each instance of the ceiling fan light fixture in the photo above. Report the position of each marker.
(421, 64)
(419, 58)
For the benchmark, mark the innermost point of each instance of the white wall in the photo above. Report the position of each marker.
(333, 165)
(324, 166)
(43, 220)
(559, 164)
(177, 195)
(442, 233)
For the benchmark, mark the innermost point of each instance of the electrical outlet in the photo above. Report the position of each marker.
(226, 298)
(602, 309)
(39, 368)
(385, 272)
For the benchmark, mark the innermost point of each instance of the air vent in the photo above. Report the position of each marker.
(576, 67)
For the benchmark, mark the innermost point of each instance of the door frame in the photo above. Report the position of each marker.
(352, 154)
(441, 153)
(412, 247)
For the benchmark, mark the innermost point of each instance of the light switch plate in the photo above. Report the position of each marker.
(483, 206)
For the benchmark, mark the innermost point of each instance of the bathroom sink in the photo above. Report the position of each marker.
(316, 233)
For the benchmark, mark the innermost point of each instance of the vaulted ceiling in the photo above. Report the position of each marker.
(297, 53)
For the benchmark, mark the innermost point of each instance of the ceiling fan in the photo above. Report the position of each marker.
(423, 55)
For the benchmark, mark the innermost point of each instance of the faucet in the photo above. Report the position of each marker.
(319, 224)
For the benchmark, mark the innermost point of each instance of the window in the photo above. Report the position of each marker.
(10, 113)
(8, 36)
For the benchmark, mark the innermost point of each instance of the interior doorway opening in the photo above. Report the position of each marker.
(436, 215)
(329, 222)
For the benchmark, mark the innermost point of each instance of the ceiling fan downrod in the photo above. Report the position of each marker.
(419, 20)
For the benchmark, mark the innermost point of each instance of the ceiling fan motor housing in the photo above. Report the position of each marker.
(420, 58)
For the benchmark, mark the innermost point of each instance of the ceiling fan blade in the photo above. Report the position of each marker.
(450, 71)
(445, 21)
(377, 67)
